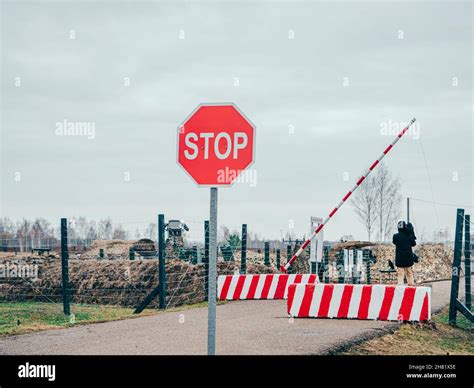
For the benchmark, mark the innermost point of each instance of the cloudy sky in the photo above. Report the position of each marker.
(319, 80)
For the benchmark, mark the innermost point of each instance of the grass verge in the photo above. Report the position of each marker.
(25, 317)
(430, 338)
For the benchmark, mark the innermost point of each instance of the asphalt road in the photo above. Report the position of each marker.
(243, 327)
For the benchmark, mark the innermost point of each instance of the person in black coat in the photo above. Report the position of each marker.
(404, 240)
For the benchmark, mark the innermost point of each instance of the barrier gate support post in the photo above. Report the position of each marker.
(243, 251)
(64, 267)
(161, 261)
(467, 260)
(278, 259)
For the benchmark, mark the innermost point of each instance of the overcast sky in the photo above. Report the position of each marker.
(319, 80)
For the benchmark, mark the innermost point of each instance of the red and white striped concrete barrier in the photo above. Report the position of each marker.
(358, 301)
(259, 286)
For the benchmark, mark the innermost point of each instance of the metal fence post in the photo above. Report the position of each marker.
(456, 266)
(367, 271)
(64, 267)
(278, 259)
(325, 274)
(161, 261)
(243, 251)
(342, 269)
(467, 260)
(267, 253)
(206, 258)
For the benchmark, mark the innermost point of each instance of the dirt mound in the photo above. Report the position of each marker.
(114, 250)
(127, 282)
(435, 261)
(336, 248)
(117, 282)
(144, 245)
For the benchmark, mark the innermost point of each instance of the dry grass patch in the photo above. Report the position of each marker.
(430, 338)
(26, 317)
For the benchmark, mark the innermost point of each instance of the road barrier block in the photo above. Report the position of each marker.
(259, 286)
(357, 301)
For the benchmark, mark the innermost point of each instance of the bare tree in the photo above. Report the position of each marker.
(223, 234)
(92, 232)
(105, 229)
(392, 209)
(151, 231)
(101, 230)
(40, 231)
(7, 231)
(108, 229)
(7, 226)
(290, 236)
(119, 233)
(81, 227)
(377, 203)
(23, 231)
(138, 235)
(388, 201)
(365, 204)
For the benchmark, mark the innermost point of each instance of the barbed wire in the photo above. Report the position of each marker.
(441, 204)
(186, 275)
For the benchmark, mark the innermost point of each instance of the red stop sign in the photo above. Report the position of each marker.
(216, 144)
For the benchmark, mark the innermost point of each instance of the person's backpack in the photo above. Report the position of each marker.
(415, 258)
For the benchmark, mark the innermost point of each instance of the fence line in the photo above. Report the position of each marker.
(162, 275)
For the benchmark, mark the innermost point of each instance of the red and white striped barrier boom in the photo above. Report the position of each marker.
(259, 286)
(358, 301)
(284, 268)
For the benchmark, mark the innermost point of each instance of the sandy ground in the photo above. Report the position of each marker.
(243, 327)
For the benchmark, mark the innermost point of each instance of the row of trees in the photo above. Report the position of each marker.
(233, 238)
(225, 236)
(89, 230)
(26, 234)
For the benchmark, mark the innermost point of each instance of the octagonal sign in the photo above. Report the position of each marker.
(216, 144)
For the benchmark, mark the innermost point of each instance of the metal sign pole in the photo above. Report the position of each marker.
(408, 209)
(211, 315)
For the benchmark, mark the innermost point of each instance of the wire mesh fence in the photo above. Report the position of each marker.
(127, 272)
